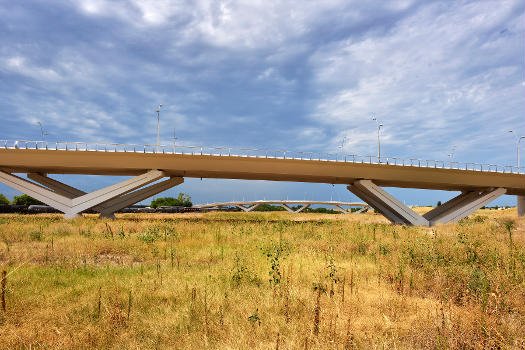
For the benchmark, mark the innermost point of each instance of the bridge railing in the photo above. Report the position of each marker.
(257, 153)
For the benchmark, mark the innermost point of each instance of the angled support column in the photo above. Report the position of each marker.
(290, 210)
(41, 193)
(113, 205)
(60, 196)
(462, 206)
(362, 210)
(56, 186)
(302, 208)
(61, 188)
(341, 209)
(249, 208)
(521, 205)
(108, 208)
(285, 206)
(253, 207)
(386, 204)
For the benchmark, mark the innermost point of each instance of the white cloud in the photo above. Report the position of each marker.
(20, 65)
(444, 70)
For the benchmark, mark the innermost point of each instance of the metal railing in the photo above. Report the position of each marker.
(257, 153)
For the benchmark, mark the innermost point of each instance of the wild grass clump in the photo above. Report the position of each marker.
(262, 280)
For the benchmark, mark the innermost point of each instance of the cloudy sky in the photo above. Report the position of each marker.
(440, 75)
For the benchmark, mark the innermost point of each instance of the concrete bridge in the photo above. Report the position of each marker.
(248, 206)
(479, 184)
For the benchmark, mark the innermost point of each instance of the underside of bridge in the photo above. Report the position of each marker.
(72, 201)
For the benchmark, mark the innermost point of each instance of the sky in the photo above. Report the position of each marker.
(443, 77)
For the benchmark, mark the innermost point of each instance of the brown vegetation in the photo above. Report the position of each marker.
(262, 280)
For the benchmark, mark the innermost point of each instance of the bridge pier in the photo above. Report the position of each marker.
(452, 211)
(386, 204)
(463, 205)
(521, 205)
(302, 208)
(249, 208)
(106, 201)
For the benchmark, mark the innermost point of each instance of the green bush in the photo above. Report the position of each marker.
(26, 200)
(269, 207)
(3, 199)
(183, 200)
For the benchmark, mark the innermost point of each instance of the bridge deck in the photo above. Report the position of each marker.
(255, 168)
(284, 201)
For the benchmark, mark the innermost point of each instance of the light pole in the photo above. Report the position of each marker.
(379, 125)
(517, 148)
(42, 132)
(451, 155)
(158, 129)
(341, 147)
(518, 151)
(174, 141)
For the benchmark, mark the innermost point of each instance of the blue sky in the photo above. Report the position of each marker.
(280, 75)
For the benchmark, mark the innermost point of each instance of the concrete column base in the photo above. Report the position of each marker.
(521, 205)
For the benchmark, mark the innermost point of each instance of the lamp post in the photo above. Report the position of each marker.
(521, 199)
(451, 156)
(158, 129)
(43, 133)
(341, 147)
(379, 125)
(517, 149)
(174, 141)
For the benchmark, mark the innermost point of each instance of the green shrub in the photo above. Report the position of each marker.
(26, 200)
(183, 200)
(3, 199)
(35, 235)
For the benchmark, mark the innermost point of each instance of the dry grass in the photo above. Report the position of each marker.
(262, 280)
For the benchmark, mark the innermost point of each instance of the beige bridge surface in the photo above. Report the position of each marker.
(359, 175)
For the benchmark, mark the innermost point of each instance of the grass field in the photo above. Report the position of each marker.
(262, 280)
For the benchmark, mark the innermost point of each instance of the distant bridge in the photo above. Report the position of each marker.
(248, 206)
(479, 184)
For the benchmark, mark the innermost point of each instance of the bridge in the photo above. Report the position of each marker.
(248, 206)
(479, 184)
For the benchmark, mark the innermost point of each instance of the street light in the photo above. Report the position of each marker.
(379, 125)
(451, 155)
(158, 130)
(342, 146)
(42, 132)
(174, 141)
(517, 148)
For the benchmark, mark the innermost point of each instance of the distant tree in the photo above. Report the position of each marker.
(26, 200)
(269, 207)
(3, 199)
(322, 210)
(439, 203)
(183, 200)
